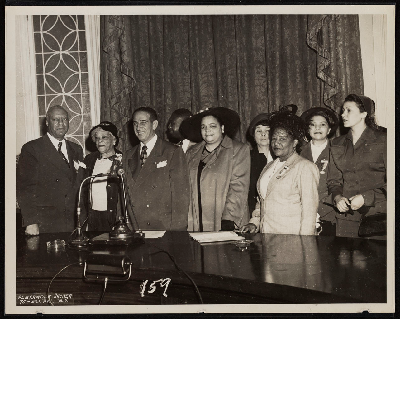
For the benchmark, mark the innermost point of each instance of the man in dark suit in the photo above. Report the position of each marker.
(48, 177)
(156, 177)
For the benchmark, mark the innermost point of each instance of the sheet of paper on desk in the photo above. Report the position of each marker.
(153, 234)
(210, 237)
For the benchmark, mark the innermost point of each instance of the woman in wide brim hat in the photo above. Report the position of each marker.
(321, 124)
(191, 127)
(219, 171)
(356, 175)
(258, 134)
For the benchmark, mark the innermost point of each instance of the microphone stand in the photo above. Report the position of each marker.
(121, 230)
(81, 240)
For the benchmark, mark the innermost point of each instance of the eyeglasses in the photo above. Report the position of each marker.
(99, 138)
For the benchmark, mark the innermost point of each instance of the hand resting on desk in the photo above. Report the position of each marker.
(248, 228)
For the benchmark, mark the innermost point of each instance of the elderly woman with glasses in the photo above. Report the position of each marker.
(219, 171)
(101, 194)
(287, 187)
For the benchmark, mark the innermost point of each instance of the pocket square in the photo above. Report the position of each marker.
(162, 164)
(78, 164)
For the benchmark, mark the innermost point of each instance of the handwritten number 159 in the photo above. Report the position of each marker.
(152, 287)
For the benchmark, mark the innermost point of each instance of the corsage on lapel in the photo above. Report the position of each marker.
(116, 163)
(162, 164)
(284, 170)
(324, 165)
(79, 164)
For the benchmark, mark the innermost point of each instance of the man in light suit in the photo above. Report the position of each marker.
(156, 178)
(48, 178)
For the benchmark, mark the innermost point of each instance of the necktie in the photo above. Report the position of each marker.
(143, 155)
(62, 154)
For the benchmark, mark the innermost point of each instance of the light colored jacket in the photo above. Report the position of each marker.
(291, 202)
(224, 185)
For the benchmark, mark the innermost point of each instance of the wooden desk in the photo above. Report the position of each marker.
(276, 269)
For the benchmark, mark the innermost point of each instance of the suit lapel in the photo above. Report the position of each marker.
(151, 161)
(53, 156)
(134, 164)
(268, 166)
(282, 172)
(91, 161)
(324, 154)
(307, 153)
(72, 156)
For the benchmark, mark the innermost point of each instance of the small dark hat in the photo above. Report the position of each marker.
(368, 104)
(191, 127)
(106, 126)
(289, 109)
(307, 115)
(256, 120)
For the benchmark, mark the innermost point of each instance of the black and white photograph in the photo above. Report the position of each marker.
(227, 159)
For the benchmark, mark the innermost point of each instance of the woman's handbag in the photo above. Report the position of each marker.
(373, 225)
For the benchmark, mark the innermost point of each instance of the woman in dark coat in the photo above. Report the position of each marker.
(101, 194)
(260, 155)
(321, 124)
(219, 171)
(356, 175)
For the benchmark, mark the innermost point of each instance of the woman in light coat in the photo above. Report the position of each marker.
(219, 171)
(287, 187)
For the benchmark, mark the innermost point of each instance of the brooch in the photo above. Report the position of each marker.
(324, 165)
(283, 172)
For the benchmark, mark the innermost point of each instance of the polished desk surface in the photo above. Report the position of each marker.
(276, 269)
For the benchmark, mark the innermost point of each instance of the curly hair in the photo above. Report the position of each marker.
(328, 118)
(293, 125)
(321, 113)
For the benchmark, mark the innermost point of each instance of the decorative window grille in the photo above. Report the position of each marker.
(62, 71)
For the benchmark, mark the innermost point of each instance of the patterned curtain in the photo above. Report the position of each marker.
(336, 40)
(250, 63)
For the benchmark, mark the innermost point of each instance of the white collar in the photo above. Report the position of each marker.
(56, 141)
(319, 147)
(150, 144)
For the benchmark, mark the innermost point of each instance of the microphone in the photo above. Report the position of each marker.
(121, 231)
(81, 240)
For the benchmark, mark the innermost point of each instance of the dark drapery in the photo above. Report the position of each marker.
(250, 63)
